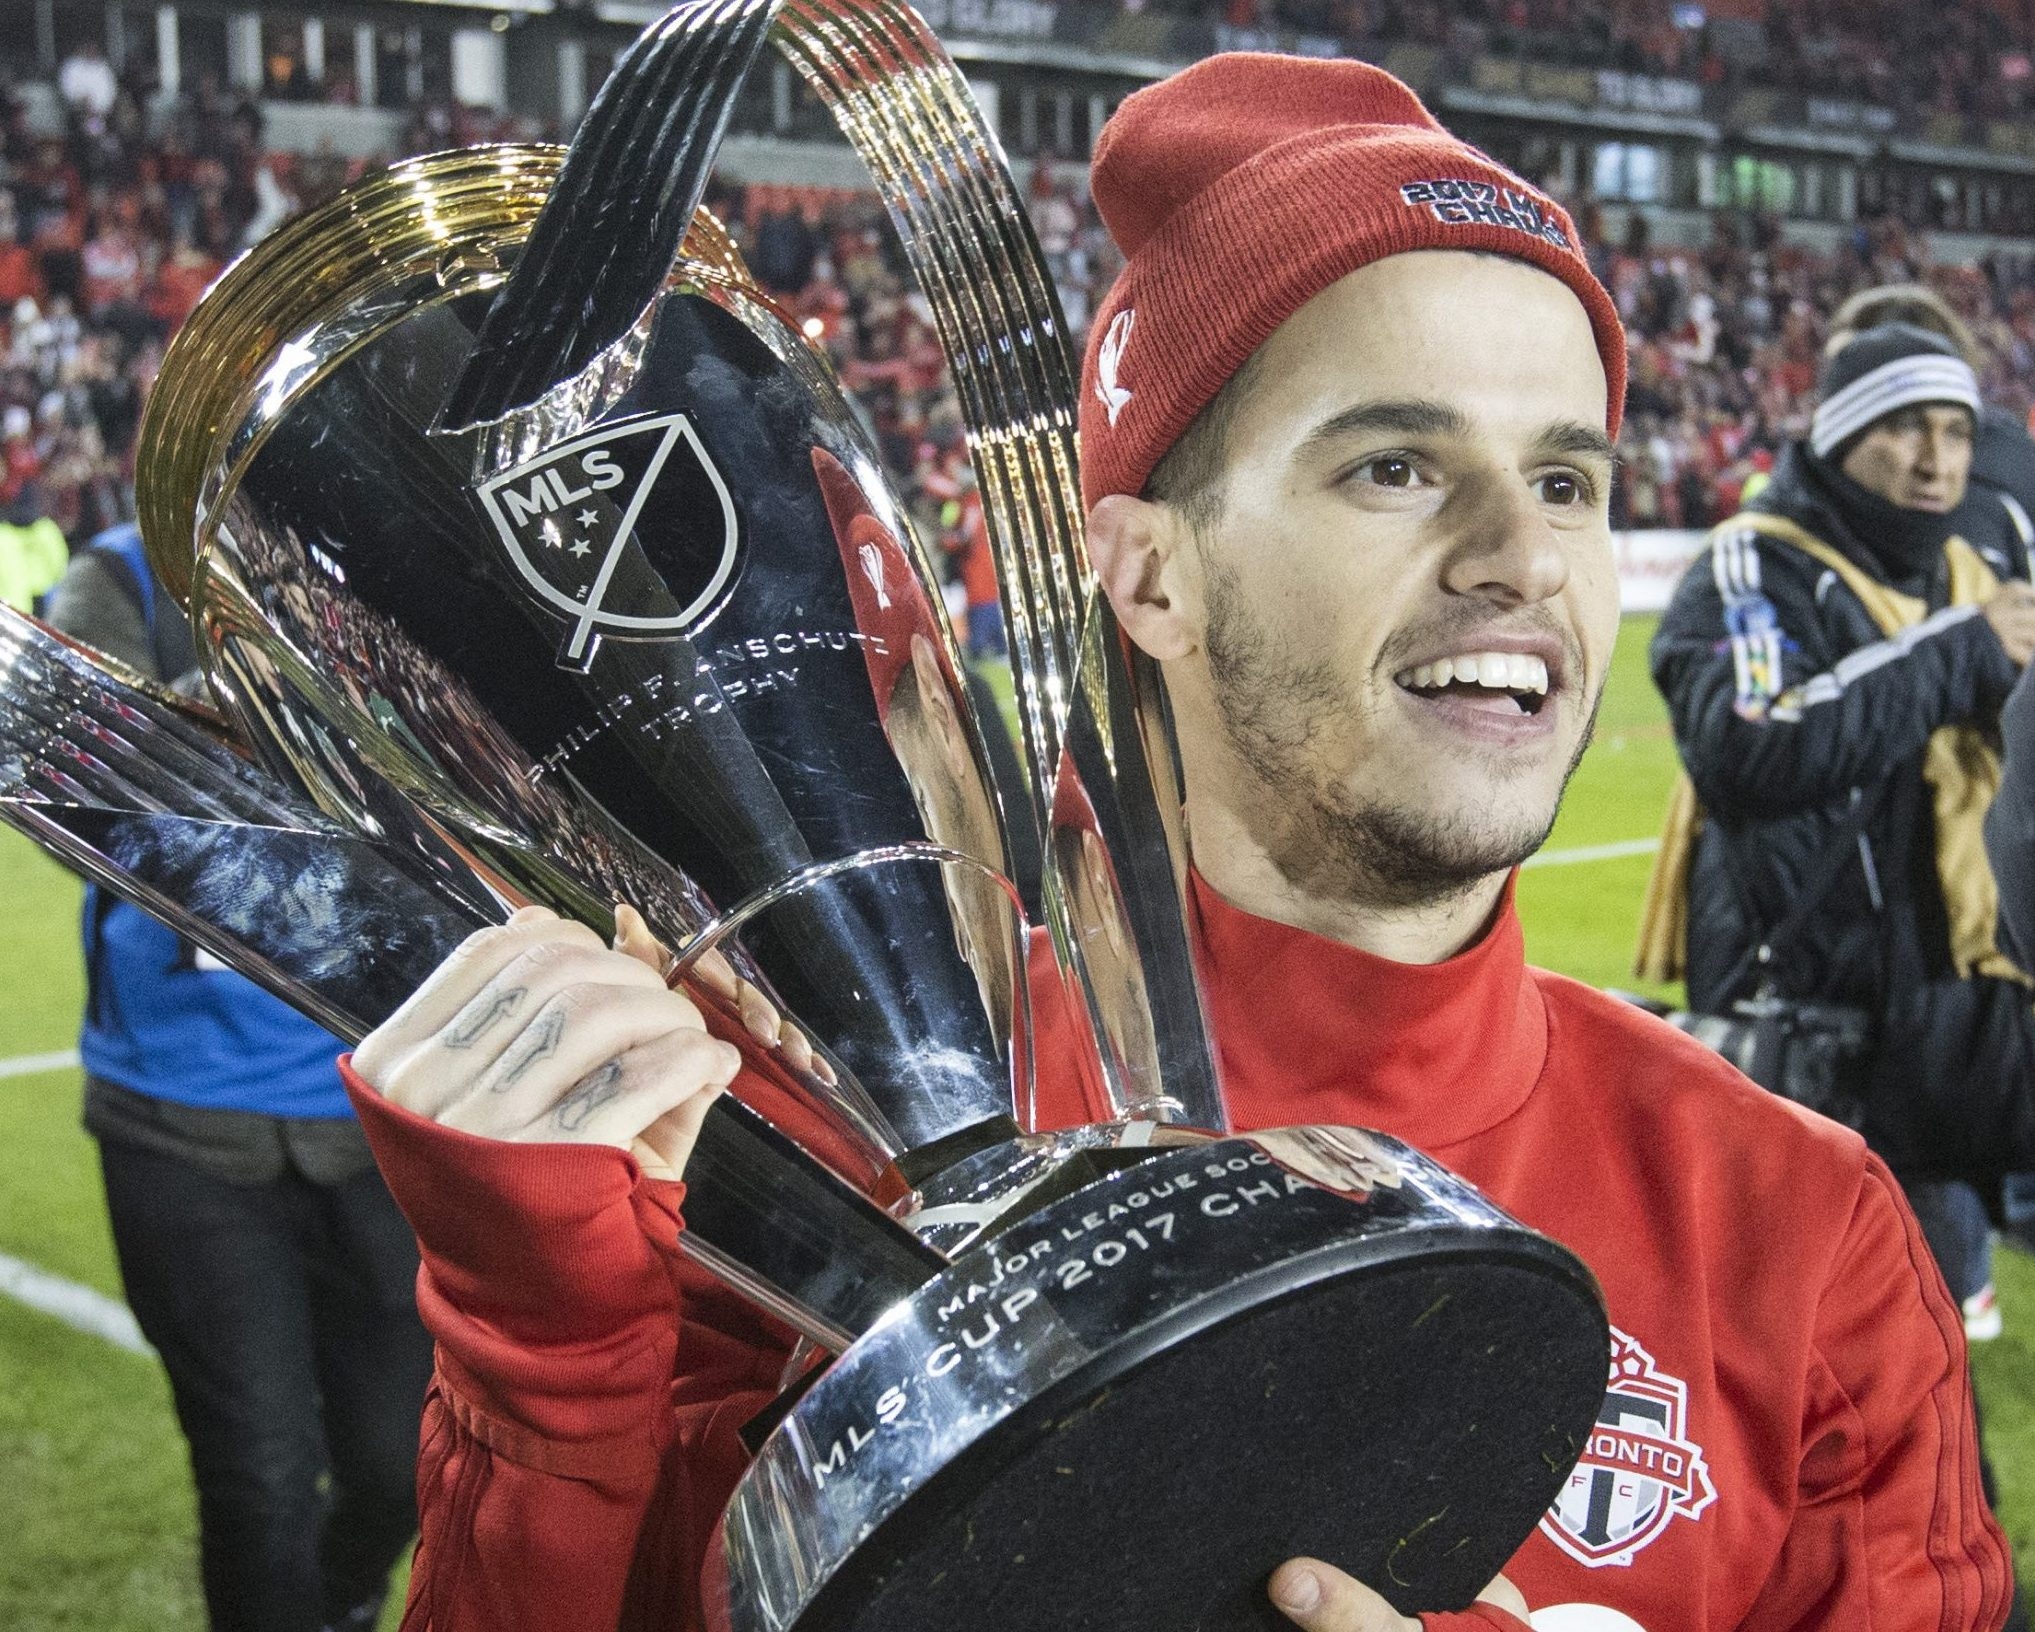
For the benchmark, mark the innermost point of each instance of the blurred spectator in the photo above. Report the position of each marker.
(87, 84)
(32, 554)
(784, 251)
(111, 263)
(186, 273)
(20, 278)
(258, 1246)
(273, 206)
(964, 536)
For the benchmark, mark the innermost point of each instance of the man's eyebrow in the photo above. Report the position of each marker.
(1407, 416)
(1422, 416)
(1573, 437)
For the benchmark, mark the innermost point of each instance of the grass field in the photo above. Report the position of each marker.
(96, 1515)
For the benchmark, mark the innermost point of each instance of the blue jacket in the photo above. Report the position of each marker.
(158, 1022)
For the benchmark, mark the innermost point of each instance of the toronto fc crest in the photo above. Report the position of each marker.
(1640, 1470)
(629, 531)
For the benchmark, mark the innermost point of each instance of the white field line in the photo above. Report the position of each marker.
(79, 1307)
(31, 1065)
(92, 1313)
(1593, 852)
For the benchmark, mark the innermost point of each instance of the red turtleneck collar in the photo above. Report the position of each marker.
(1311, 1030)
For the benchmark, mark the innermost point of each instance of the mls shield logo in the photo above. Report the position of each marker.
(1640, 1470)
(628, 531)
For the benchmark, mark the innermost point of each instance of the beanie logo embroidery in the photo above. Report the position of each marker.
(1111, 395)
(1464, 203)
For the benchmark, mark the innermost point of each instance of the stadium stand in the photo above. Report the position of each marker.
(124, 189)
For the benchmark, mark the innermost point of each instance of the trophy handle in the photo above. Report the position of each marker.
(989, 918)
(909, 114)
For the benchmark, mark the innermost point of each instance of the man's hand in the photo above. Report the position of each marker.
(1321, 1598)
(2011, 612)
(535, 1031)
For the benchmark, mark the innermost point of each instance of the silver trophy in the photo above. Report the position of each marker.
(536, 556)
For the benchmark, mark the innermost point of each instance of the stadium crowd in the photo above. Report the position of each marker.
(107, 240)
(108, 236)
(1963, 57)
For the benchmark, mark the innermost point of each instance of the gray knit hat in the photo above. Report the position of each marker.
(1883, 370)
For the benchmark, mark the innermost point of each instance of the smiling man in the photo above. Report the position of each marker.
(1385, 598)
(1346, 429)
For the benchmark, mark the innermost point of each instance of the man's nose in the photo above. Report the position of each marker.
(1502, 547)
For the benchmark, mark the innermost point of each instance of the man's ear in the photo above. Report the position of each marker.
(1141, 560)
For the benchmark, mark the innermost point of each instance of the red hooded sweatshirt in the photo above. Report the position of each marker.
(1787, 1441)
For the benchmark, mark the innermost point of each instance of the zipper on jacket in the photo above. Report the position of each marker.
(1872, 874)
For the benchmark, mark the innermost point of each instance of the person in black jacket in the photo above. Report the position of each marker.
(1833, 666)
(2002, 494)
(1998, 512)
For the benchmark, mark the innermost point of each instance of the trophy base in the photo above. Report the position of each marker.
(1123, 1413)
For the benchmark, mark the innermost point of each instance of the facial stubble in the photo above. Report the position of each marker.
(1275, 711)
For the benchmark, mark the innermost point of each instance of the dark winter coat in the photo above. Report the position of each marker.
(1788, 704)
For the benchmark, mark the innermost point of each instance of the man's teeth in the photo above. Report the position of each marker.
(1497, 671)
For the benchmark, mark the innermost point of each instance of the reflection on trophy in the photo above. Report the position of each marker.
(541, 559)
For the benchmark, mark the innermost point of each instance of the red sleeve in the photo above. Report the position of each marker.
(579, 1435)
(1890, 1528)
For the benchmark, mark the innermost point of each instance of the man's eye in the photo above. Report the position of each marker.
(1390, 471)
(1562, 487)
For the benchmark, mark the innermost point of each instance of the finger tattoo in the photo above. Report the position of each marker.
(479, 1016)
(544, 1040)
(594, 1091)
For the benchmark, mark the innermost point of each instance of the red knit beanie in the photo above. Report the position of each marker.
(1243, 187)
